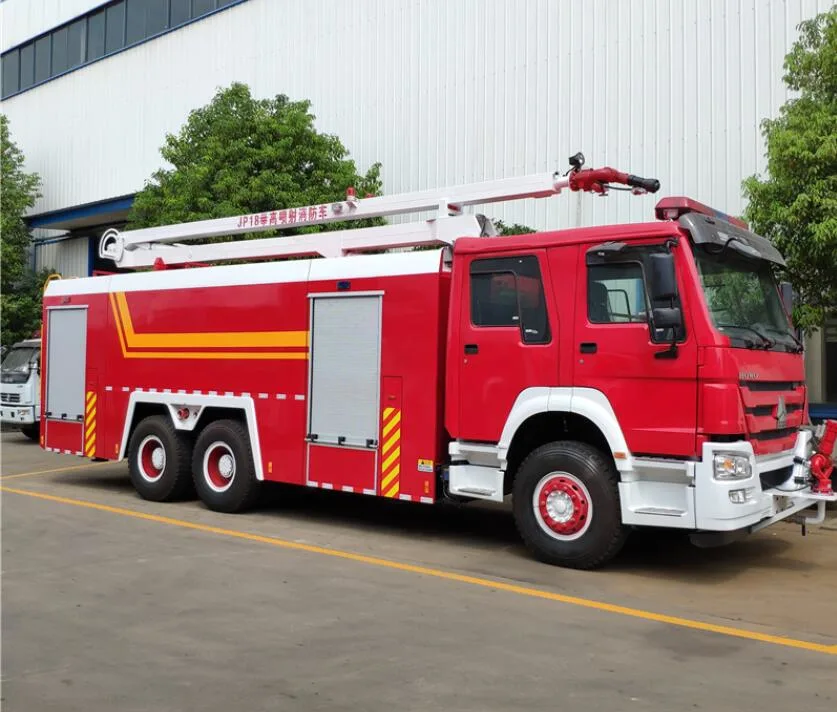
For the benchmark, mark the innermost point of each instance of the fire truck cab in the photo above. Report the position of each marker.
(606, 378)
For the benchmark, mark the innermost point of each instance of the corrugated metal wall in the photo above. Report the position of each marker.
(70, 258)
(445, 91)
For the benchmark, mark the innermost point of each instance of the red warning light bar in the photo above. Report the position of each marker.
(673, 207)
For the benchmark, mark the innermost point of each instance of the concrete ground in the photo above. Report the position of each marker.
(110, 602)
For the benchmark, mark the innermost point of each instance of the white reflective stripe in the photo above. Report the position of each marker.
(369, 491)
(426, 500)
(347, 488)
(406, 497)
(299, 397)
(280, 396)
(327, 485)
(108, 388)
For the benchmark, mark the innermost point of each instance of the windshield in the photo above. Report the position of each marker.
(16, 366)
(743, 299)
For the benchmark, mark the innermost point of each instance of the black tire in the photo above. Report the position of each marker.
(172, 480)
(33, 432)
(222, 467)
(578, 474)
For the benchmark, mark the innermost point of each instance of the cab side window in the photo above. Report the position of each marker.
(616, 294)
(509, 292)
(617, 290)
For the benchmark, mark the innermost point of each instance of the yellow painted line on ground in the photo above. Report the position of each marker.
(447, 575)
(56, 469)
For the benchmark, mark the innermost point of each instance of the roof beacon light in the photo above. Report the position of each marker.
(673, 207)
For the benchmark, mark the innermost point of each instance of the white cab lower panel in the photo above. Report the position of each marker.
(476, 481)
(658, 504)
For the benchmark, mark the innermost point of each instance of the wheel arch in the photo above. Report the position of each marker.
(191, 413)
(542, 415)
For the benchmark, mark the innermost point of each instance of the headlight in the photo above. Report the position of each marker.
(731, 467)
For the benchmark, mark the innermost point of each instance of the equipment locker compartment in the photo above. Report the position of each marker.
(66, 351)
(344, 390)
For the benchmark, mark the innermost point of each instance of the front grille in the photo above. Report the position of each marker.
(768, 409)
(9, 397)
(771, 385)
(774, 434)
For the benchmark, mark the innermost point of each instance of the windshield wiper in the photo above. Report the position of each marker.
(787, 332)
(766, 342)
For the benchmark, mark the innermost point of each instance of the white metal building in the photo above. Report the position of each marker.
(439, 91)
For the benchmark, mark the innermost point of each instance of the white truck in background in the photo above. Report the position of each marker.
(20, 388)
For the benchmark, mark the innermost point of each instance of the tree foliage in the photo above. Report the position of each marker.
(20, 289)
(796, 204)
(240, 155)
(513, 229)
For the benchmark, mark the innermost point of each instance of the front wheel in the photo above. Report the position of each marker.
(566, 505)
(33, 431)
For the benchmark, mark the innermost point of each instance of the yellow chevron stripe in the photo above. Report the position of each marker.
(393, 475)
(391, 452)
(90, 424)
(392, 458)
(396, 419)
(389, 444)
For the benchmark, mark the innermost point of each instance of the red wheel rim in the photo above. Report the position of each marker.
(151, 458)
(219, 466)
(562, 506)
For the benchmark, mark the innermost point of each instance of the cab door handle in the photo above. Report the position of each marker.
(589, 347)
(471, 349)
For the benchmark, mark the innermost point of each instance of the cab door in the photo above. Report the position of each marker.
(507, 338)
(651, 387)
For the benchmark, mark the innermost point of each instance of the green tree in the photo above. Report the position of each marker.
(513, 229)
(20, 289)
(240, 155)
(795, 206)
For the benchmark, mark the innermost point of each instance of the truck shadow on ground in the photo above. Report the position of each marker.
(484, 528)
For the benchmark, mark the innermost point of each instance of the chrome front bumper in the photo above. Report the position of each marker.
(17, 415)
(758, 501)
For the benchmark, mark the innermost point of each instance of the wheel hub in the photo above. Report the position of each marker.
(563, 505)
(157, 458)
(219, 466)
(559, 506)
(151, 458)
(225, 466)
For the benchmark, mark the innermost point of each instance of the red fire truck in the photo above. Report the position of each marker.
(607, 378)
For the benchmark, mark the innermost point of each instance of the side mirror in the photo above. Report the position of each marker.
(667, 318)
(786, 290)
(663, 285)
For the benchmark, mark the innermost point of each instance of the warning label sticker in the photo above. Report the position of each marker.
(425, 465)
